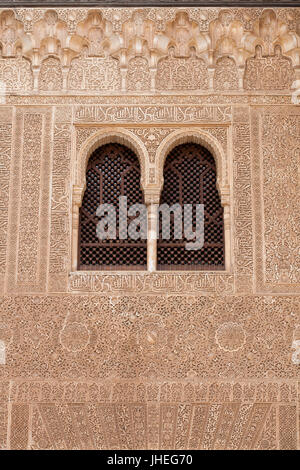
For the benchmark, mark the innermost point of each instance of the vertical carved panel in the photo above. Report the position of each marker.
(281, 159)
(138, 74)
(276, 154)
(96, 425)
(109, 423)
(19, 426)
(226, 74)
(242, 417)
(183, 426)
(5, 159)
(39, 437)
(29, 214)
(139, 425)
(29, 201)
(287, 427)
(124, 425)
(225, 425)
(80, 423)
(242, 201)
(60, 202)
(200, 413)
(3, 426)
(153, 426)
(50, 77)
(255, 425)
(268, 440)
(54, 425)
(168, 418)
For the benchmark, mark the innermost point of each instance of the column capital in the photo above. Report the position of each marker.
(152, 197)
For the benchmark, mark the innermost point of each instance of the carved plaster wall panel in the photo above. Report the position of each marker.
(59, 257)
(29, 199)
(243, 230)
(94, 337)
(16, 74)
(5, 161)
(153, 425)
(275, 145)
(132, 339)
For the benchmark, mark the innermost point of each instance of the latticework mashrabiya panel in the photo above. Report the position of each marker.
(190, 178)
(113, 171)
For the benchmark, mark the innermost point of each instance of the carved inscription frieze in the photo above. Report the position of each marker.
(152, 114)
(5, 160)
(151, 283)
(60, 206)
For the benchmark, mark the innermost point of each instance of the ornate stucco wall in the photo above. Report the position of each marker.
(149, 359)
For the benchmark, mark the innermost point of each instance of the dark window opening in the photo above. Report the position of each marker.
(113, 170)
(190, 178)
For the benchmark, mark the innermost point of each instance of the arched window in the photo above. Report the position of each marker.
(190, 178)
(113, 170)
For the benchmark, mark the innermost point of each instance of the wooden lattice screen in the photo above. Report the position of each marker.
(190, 178)
(113, 170)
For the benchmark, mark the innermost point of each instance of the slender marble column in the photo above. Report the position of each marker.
(152, 237)
(77, 197)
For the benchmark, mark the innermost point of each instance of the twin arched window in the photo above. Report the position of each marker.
(113, 172)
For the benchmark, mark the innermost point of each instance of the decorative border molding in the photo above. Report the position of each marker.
(147, 3)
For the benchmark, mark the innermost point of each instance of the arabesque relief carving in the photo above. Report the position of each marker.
(152, 359)
(138, 331)
(277, 234)
(226, 74)
(176, 73)
(16, 73)
(273, 72)
(94, 73)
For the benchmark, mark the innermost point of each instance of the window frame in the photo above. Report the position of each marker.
(180, 134)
